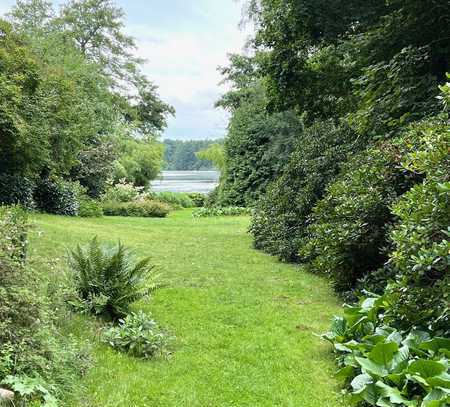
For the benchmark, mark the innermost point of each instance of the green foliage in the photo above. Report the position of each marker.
(89, 208)
(20, 150)
(31, 390)
(108, 279)
(54, 195)
(255, 147)
(16, 189)
(421, 245)
(197, 198)
(137, 335)
(394, 348)
(140, 161)
(13, 238)
(121, 192)
(145, 208)
(280, 219)
(221, 211)
(349, 227)
(181, 155)
(404, 89)
(387, 54)
(35, 359)
(96, 163)
(348, 235)
(174, 199)
(214, 154)
(58, 67)
(385, 366)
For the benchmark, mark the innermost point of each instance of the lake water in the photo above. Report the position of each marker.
(186, 181)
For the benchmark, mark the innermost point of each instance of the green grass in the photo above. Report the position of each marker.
(244, 323)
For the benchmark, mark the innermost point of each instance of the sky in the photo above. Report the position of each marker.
(184, 41)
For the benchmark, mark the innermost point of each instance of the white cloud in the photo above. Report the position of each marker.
(184, 66)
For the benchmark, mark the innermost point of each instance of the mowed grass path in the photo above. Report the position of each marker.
(244, 323)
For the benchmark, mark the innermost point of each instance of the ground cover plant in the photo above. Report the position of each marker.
(241, 320)
(137, 335)
(386, 366)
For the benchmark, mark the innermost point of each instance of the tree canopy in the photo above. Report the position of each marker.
(74, 95)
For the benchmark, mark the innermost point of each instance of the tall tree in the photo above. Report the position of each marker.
(97, 26)
(32, 16)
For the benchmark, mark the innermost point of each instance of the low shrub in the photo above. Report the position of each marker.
(54, 195)
(137, 335)
(221, 211)
(143, 208)
(16, 189)
(89, 208)
(108, 279)
(197, 198)
(122, 192)
(385, 366)
(174, 199)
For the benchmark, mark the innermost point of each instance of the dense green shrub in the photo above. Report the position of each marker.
(385, 366)
(348, 236)
(280, 219)
(142, 208)
(108, 279)
(31, 346)
(137, 335)
(54, 195)
(16, 189)
(221, 211)
(349, 226)
(197, 198)
(95, 165)
(174, 199)
(421, 244)
(90, 208)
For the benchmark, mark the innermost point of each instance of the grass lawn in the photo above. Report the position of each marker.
(244, 323)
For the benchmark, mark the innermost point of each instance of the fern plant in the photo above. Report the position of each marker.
(108, 279)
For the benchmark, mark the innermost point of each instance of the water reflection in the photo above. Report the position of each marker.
(186, 181)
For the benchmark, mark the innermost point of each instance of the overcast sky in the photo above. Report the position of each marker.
(184, 41)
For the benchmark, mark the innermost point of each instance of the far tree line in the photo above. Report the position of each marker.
(189, 155)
